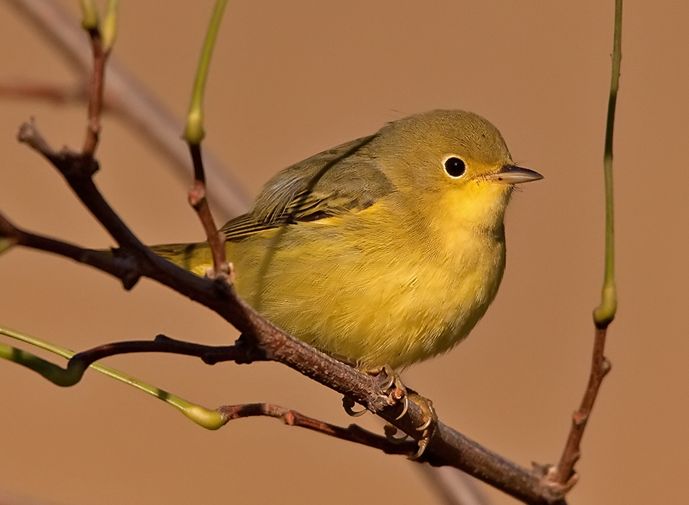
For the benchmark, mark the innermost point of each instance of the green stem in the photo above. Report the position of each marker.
(207, 418)
(193, 132)
(604, 314)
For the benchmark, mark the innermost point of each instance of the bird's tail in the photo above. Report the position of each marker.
(196, 258)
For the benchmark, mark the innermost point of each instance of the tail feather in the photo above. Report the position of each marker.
(193, 257)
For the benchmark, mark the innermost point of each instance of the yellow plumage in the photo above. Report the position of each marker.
(383, 251)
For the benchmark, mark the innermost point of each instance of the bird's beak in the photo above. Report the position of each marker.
(511, 174)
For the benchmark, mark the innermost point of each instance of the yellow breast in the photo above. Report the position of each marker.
(372, 292)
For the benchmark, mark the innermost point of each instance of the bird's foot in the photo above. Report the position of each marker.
(391, 388)
(426, 428)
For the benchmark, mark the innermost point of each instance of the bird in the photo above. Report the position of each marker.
(383, 251)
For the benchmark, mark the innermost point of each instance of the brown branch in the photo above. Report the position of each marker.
(241, 352)
(78, 169)
(564, 474)
(95, 93)
(119, 265)
(352, 433)
(446, 447)
(132, 101)
(197, 199)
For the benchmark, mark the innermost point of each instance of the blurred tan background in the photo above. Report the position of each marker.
(292, 78)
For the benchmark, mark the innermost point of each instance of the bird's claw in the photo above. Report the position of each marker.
(428, 427)
(348, 406)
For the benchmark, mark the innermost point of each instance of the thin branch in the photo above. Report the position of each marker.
(240, 353)
(193, 135)
(197, 199)
(202, 416)
(78, 169)
(120, 266)
(207, 418)
(564, 474)
(95, 93)
(130, 99)
(352, 433)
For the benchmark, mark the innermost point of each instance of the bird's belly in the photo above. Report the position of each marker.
(375, 310)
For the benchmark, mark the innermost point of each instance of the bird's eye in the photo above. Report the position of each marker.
(455, 167)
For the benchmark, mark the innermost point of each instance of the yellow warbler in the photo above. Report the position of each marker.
(386, 250)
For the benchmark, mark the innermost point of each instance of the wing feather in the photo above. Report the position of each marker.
(346, 178)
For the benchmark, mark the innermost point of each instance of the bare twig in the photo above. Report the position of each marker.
(564, 474)
(197, 199)
(129, 98)
(352, 433)
(193, 135)
(95, 94)
(241, 352)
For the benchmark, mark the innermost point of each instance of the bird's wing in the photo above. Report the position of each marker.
(346, 178)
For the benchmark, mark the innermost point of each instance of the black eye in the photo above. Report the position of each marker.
(455, 167)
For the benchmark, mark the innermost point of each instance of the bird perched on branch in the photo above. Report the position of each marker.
(383, 251)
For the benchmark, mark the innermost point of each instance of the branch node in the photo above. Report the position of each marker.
(131, 273)
(75, 165)
(605, 366)
(579, 418)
